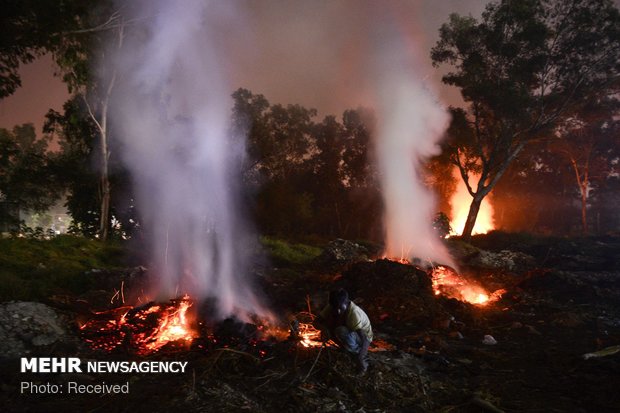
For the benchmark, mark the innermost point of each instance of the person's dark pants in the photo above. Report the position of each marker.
(348, 339)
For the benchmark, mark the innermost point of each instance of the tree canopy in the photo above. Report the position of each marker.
(26, 172)
(523, 70)
(33, 27)
(316, 175)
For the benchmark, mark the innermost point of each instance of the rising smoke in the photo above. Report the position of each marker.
(172, 111)
(176, 74)
(411, 124)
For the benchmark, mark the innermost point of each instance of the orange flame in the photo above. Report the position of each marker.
(448, 282)
(146, 330)
(310, 336)
(460, 202)
(172, 327)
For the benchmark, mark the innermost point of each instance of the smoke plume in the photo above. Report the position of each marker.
(176, 70)
(172, 111)
(411, 123)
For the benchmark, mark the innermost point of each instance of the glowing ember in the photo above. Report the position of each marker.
(449, 283)
(303, 331)
(309, 335)
(172, 327)
(144, 329)
(460, 202)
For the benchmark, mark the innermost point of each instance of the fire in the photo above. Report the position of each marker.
(448, 282)
(309, 335)
(144, 329)
(302, 330)
(172, 327)
(460, 202)
(148, 328)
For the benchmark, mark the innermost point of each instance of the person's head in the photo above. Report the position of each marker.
(339, 301)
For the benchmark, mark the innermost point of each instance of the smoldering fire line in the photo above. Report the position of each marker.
(75, 365)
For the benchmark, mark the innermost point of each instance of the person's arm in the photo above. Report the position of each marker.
(321, 322)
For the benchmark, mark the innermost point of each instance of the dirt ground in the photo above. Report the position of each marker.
(537, 349)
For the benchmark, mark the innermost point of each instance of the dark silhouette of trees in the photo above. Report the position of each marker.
(590, 147)
(77, 173)
(309, 177)
(523, 69)
(31, 28)
(27, 179)
(567, 184)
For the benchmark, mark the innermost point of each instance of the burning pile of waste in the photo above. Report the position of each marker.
(448, 282)
(151, 327)
(143, 329)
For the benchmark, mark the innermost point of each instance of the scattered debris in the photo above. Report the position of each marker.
(608, 351)
(427, 356)
(340, 251)
(512, 261)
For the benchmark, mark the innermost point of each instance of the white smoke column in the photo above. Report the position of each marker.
(411, 123)
(172, 111)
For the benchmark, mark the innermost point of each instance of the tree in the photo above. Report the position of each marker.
(280, 146)
(26, 178)
(77, 137)
(328, 175)
(357, 165)
(75, 33)
(317, 175)
(76, 54)
(536, 194)
(440, 177)
(360, 177)
(590, 145)
(31, 28)
(524, 69)
(279, 137)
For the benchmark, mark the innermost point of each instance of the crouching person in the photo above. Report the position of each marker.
(348, 325)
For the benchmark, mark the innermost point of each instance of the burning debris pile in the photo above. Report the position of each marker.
(141, 330)
(557, 330)
(151, 327)
(289, 366)
(448, 282)
(406, 293)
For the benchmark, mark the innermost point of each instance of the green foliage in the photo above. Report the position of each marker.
(26, 174)
(289, 254)
(441, 225)
(31, 28)
(77, 136)
(32, 269)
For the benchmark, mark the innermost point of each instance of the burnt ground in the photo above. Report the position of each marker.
(562, 302)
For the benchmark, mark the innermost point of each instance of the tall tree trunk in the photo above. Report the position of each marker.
(104, 180)
(102, 125)
(104, 213)
(584, 207)
(583, 183)
(474, 208)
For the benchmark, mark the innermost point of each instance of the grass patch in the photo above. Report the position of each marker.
(286, 254)
(32, 269)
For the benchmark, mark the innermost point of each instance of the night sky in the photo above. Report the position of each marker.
(293, 52)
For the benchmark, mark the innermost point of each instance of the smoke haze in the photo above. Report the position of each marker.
(172, 110)
(175, 77)
(411, 124)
